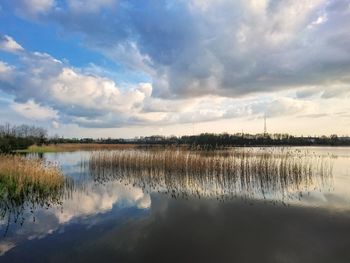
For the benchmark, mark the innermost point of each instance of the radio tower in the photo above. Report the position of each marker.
(265, 128)
(192, 127)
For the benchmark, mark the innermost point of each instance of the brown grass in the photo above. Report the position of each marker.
(28, 183)
(70, 147)
(217, 173)
(20, 175)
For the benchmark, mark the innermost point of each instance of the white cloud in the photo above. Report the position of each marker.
(320, 20)
(70, 87)
(5, 71)
(4, 67)
(8, 44)
(90, 6)
(51, 87)
(32, 8)
(285, 106)
(225, 48)
(48, 89)
(34, 111)
(55, 124)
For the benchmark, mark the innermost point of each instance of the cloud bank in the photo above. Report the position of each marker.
(227, 48)
(207, 60)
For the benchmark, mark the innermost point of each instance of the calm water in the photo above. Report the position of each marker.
(181, 219)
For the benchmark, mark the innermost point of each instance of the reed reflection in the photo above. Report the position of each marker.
(25, 184)
(268, 173)
(273, 174)
(14, 209)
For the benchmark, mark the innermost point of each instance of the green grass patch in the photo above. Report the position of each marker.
(41, 149)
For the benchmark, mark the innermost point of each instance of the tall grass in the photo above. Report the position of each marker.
(27, 182)
(70, 147)
(18, 174)
(223, 174)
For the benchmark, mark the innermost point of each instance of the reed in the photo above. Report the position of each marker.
(249, 172)
(20, 175)
(28, 183)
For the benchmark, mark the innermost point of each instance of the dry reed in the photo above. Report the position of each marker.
(27, 182)
(249, 172)
(20, 175)
(70, 147)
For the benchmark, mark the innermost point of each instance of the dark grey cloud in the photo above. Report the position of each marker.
(227, 48)
(190, 50)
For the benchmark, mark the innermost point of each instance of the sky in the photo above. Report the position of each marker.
(126, 68)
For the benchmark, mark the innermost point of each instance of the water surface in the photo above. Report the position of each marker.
(135, 217)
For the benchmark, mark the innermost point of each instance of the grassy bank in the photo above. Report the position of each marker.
(20, 176)
(71, 147)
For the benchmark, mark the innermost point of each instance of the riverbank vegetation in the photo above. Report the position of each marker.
(224, 174)
(71, 147)
(24, 138)
(215, 141)
(20, 176)
(27, 183)
(20, 137)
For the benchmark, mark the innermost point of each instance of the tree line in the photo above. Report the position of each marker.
(210, 140)
(19, 137)
(213, 141)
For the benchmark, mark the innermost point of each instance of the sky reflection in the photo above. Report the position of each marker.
(82, 203)
(138, 213)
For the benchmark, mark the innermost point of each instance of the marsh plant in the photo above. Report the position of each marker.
(276, 173)
(18, 174)
(72, 147)
(27, 182)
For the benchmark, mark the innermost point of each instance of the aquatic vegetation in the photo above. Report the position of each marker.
(223, 174)
(71, 147)
(27, 182)
(19, 174)
(275, 174)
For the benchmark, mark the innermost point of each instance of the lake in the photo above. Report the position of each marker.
(157, 211)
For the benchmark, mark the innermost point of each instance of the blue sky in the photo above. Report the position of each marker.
(133, 68)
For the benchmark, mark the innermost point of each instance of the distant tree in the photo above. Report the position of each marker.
(14, 137)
